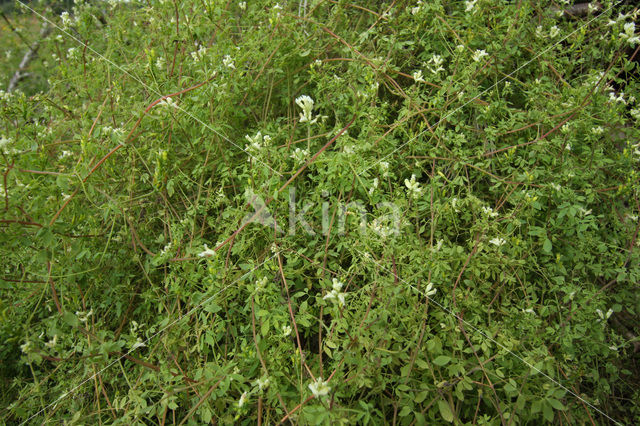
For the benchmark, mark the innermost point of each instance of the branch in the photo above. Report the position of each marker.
(28, 57)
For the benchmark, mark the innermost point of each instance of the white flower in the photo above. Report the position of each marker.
(556, 186)
(374, 185)
(619, 98)
(454, 202)
(430, 291)
(300, 154)
(628, 34)
(261, 284)
(52, 343)
(460, 48)
(335, 295)
(319, 387)
(262, 383)
(584, 211)
(598, 130)
(379, 228)
(554, 31)
(498, 241)
(165, 249)
(72, 53)
(138, 344)
(438, 245)
(306, 103)
(568, 147)
(384, 168)
(242, 400)
(66, 21)
(539, 32)
(207, 252)
(604, 317)
(26, 347)
(337, 284)
(417, 76)
(198, 54)
(255, 143)
(413, 186)
(227, 61)
(4, 141)
(416, 9)
(277, 7)
(84, 316)
(286, 330)
(470, 4)
(479, 54)
(489, 211)
(635, 113)
(529, 311)
(437, 61)
(169, 102)
(242, 5)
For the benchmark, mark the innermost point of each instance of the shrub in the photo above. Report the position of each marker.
(322, 212)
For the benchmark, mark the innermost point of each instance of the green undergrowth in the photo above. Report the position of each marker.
(321, 212)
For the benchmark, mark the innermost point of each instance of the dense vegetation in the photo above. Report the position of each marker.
(486, 268)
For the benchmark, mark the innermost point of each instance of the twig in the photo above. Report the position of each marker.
(28, 57)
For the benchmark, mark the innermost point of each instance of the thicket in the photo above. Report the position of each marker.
(503, 134)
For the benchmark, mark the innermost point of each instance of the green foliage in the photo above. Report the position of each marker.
(504, 136)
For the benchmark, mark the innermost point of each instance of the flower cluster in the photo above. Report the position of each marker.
(479, 54)
(604, 317)
(335, 294)
(66, 20)
(207, 252)
(430, 291)
(256, 143)
(413, 187)
(227, 61)
(262, 383)
(489, 211)
(261, 284)
(306, 103)
(199, 54)
(497, 241)
(84, 316)
(319, 387)
(470, 5)
(436, 61)
(629, 34)
(416, 9)
(417, 76)
(299, 155)
(168, 102)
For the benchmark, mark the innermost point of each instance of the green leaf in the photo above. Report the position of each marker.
(442, 360)
(71, 319)
(445, 411)
(547, 246)
(212, 308)
(547, 412)
(556, 404)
